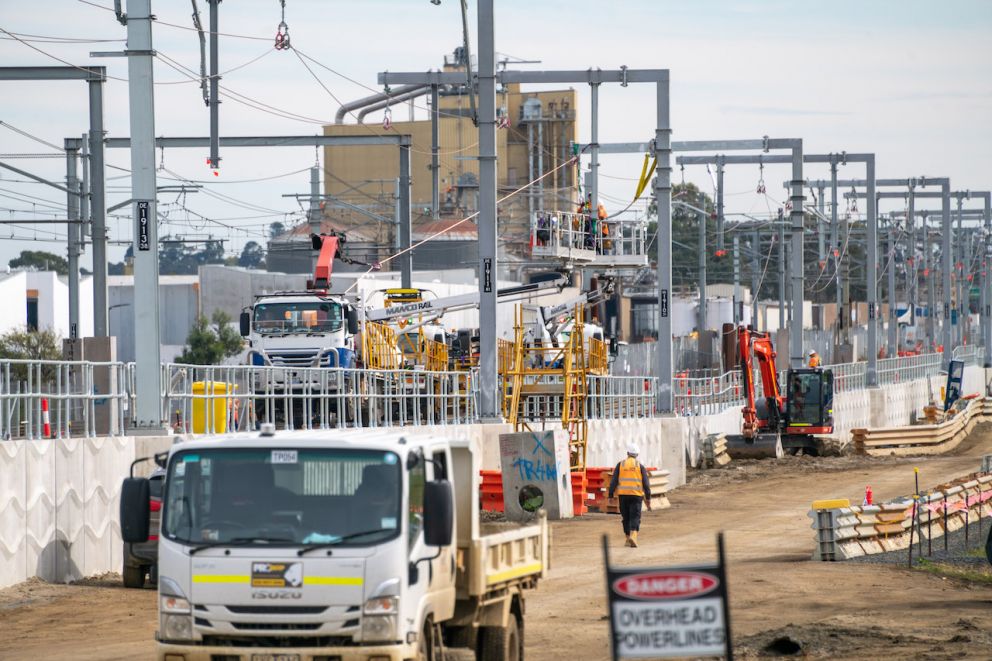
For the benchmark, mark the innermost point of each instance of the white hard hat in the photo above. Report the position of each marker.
(812, 352)
(633, 450)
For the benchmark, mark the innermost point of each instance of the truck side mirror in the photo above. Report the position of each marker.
(439, 513)
(135, 503)
(351, 314)
(245, 320)
(614, 346)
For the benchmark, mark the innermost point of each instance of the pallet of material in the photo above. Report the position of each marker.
(658, 479)
(922, 439)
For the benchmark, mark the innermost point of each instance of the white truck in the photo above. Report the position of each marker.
(306, 328)
(303, 546)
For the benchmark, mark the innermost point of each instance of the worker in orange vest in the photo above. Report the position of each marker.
(630, 483)
(814, 359)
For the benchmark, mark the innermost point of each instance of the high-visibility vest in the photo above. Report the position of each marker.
(814, 361)
(629, 482)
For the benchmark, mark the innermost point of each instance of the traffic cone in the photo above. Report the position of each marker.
(868, 497)
(46, 428)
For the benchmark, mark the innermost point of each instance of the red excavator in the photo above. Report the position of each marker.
(779, 423)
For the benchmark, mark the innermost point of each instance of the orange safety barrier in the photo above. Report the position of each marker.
(491, 491)
(597, 488)
(579, 487)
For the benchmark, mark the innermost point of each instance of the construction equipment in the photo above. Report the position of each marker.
(292, 331)
(303, 328)
(541, 383)
(552, 325)
(431, 309)
(779, 423)
(334, 545)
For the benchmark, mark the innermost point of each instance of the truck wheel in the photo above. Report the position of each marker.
(134, 577)
(502, 643)
(425, 649)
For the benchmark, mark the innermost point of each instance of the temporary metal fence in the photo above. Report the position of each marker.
(41, 399)
(849, 376)
(613, 397)
(708, 395)
(86, 399)
(221, 399)
(971, 354)
(908, 368)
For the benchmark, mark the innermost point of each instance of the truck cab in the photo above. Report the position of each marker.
(301, 329)
(331, 545)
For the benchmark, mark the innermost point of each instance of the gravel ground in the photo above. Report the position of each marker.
(959, 552)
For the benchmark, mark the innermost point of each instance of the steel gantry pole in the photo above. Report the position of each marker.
(98, 206)
(986, 283)
(406, 219)
(912, 272)
(738, 313)
(141, 91)
(839, 250)
(821, 237)
(488, 384)
(781, 272)
(871, 275)
(928, 278)
(797, 215)
(893, 328)
(959, 261)
(719, 202)
(701, 317)
(593, 151)
(755, 273)
(72, 232)
(946, 264)
(663, 202)
(435, 157)
(214, 84)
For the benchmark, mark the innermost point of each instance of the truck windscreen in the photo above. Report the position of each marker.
(298, 317)
(293, 496)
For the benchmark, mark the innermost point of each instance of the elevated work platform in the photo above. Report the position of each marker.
(586, 241)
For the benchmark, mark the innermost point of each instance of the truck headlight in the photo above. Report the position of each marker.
(379, 619)
(176, 627)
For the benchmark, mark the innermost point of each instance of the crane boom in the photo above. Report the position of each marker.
(438, 306)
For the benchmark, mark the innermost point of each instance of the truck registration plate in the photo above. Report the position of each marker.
(275, 657)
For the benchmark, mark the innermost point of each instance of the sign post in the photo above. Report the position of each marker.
(664, 612)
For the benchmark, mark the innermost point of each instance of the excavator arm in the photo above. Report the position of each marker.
(752, 443)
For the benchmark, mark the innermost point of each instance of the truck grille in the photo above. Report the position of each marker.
(277, 641)
(276, 626)
(277, 610)
(293, 359)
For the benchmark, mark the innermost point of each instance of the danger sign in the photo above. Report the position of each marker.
(669, 612)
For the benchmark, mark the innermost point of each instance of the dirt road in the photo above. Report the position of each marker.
(836, 610)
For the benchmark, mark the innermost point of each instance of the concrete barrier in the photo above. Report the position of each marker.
(843, 533)
(924, 439)
(59, 506)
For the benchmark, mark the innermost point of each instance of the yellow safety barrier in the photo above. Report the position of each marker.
(599, 357)
(379, 348)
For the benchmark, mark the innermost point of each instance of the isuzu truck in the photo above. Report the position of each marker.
(305, 546)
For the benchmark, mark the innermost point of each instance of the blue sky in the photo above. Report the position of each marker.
(910, 81)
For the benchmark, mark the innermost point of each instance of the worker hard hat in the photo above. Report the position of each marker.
(812, 352)
(633, 450)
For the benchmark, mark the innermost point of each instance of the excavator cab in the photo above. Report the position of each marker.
(809, 401)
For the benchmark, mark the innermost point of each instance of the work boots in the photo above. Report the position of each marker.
(633, 539)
